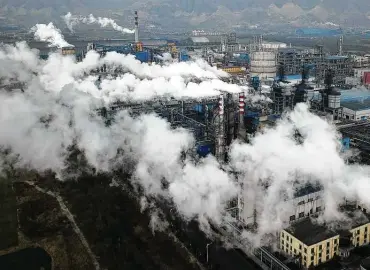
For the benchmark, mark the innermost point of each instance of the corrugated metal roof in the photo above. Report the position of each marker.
(354, 94)
(357, 105)
(200, 39)
(336, 57)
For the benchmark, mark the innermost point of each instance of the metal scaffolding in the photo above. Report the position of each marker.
(212, 120)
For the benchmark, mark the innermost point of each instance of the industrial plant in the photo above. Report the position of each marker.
(274, 79)
(335, 87)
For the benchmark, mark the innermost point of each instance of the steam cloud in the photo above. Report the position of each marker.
(64, 94)
(72, 20)
(49, 33)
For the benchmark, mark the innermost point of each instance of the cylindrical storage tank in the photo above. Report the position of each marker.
(263, 64)
(334, 99)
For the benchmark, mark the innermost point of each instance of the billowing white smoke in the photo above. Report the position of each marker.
(166, 57)
(50, 34)
(72, 20)
(59, 92)
(275, 159)
(57, 107)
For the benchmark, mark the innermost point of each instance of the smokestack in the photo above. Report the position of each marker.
(241, 133)
(220, 147)
(136, 27)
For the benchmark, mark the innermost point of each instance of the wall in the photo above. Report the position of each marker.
(307, 205)
(359, 72)
(361, 235)
(355, 115)
(309, 255)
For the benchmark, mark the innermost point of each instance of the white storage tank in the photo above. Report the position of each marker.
(334, 99)
(263, 64)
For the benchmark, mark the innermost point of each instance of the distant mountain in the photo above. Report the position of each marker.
(216, 14)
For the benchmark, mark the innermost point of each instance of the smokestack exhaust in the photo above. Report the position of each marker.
(136, 27)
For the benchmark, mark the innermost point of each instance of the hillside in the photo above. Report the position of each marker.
(212, 14)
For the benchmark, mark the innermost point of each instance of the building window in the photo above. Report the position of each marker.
(310, 200)
(335, 241)
(312, 250)
(282, 242)
(328, 244)
(318, 209)
(311, 211)
(292, 218)
(305, 250)
(300, 246)
(301, 202)
(291, 240)
(301, 215)
(320, 247)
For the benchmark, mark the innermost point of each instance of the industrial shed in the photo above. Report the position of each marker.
(318, 32)
(356, 110)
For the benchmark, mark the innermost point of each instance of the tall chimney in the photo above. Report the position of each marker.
(136, 27)
(242, 131)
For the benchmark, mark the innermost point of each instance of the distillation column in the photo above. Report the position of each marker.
(241, 132)
(220, 131)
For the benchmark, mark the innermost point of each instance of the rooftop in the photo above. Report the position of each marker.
(357, 105)
(336, 57)
(354, 94)
(307, 189)
(200, 39)
(310, 233)
(356, 216)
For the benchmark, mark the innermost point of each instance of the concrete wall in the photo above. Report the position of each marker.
(313, 255)
(307, 205)
(355, 115)
(361, 235)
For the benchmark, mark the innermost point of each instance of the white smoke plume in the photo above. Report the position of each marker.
(166, 57)
(72, 20)
(275, 159)
(50, 34)
(54, 108)
(60, 92)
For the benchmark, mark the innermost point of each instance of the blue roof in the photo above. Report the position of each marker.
(336, 57)
(291, 77)
(357, 105)
(318, 32)
(354, 94)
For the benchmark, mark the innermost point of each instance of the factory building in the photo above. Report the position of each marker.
(314, 244)
(356, 110)
(70, 50)
(318, 32)
(294, 59)
(341, 66)
(311, 243)
(307, 201)
(356, 104)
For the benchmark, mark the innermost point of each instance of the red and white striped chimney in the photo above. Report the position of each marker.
(241, 103)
